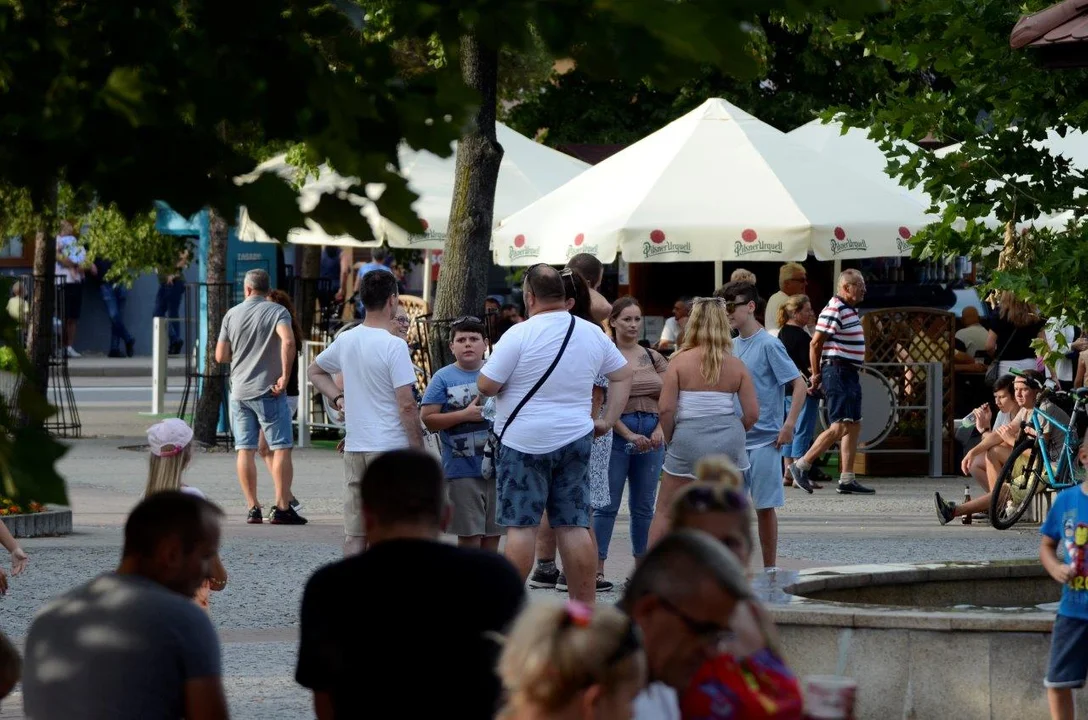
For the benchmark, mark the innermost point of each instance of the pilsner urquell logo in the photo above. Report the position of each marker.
(902, 243)
(579, 246)
(427, 234)
(658, 246)
(519, 250)
(750, 243)
(840, 243)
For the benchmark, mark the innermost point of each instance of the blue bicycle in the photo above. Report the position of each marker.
(1030, 463)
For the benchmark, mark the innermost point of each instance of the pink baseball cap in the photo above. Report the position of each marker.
(169, 437)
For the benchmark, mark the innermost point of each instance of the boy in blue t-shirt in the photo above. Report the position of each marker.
(1063, 553)
(451, 408)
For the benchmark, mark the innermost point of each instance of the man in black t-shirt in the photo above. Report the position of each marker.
(373, 644)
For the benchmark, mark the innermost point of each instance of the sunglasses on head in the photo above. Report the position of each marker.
(465, 319)
(720, 498)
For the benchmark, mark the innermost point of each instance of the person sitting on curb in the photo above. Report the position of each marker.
(1027, 387)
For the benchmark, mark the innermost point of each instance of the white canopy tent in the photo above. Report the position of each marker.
(717, 184)
(529, 170)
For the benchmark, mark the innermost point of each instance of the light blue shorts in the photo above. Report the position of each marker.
(269, 413)
(763, 479)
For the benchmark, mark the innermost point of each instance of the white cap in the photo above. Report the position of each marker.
(169, 437)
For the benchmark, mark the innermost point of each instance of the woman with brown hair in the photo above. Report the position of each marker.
(1011, 333)
(698, 400)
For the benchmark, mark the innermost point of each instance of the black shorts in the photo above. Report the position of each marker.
(73, 300)
(1068, 665)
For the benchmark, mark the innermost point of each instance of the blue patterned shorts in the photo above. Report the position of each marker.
(557, 482)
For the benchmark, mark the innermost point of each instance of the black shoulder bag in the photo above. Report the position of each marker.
(491, 449)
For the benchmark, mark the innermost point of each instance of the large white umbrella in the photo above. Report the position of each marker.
(716, 184)
(529, 170)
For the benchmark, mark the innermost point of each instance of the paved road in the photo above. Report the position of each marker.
(257, 614)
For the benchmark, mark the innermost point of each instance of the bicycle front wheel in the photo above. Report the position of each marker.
(1016, 484)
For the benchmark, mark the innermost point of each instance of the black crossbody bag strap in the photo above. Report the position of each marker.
(539, 383)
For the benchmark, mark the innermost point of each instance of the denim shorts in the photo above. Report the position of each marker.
(269, 413)
(763, 478)
(842, 393)
(557, 482)
(1068, 666)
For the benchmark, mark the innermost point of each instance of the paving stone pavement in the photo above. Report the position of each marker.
(257, 615)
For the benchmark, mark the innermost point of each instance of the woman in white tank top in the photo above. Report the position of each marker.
(707, 403)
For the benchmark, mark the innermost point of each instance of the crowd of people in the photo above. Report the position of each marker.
(535, 439)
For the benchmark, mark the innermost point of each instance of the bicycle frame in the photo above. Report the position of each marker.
(1066, 462)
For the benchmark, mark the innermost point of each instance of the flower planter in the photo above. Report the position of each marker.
(43, 524)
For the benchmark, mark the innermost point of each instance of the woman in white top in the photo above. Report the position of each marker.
(171, 446)
(697, 407)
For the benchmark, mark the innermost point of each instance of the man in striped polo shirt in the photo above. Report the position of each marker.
(837, 351)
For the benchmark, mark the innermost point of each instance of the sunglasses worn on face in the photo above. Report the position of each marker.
(706, 630)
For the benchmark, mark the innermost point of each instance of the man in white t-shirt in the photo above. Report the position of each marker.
(379, 409)
(670, 333)
(543, 459)
(792, 280)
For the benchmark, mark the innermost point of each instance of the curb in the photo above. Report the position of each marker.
(48, 523)
(119, 371)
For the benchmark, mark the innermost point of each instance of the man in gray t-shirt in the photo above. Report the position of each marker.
(258, 341)
(133, 644)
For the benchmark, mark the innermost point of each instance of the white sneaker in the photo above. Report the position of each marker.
(71, 352)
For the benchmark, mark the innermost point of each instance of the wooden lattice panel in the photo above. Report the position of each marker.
(416, 307)
(914, 335)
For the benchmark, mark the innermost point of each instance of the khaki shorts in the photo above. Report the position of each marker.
(473, 501)
(355, 464)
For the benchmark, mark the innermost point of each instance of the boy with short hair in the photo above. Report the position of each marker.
(451, 408)
(1063, 553)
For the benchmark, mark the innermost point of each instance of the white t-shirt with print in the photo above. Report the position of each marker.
(559, 413)
(374, 364)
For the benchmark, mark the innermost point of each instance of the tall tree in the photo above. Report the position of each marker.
(960, 81)
(129, 103)
(206, 415)
(665, 43)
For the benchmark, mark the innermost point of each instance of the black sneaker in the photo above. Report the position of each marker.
(945, 510)
(561, 582)
(253, 517)
(542, 578)
(295, 505)
(286, 517)
(602, 584)
(854, 488)
(800, 478)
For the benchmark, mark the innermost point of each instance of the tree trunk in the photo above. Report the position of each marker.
(306, 295)
(465, 262)
(43, 306)
(206, 417)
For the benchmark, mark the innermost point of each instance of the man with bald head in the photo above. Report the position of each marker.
(541, 373)
(972, 335)
(837, 352)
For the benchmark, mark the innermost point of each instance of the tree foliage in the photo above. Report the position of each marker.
(959, 80)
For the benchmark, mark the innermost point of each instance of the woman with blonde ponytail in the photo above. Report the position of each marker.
(572, 662)
(707, 403)
(171, 445)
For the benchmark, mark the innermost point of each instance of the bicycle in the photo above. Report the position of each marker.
(1018, 481)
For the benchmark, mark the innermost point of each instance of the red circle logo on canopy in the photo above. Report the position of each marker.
(657, 236)
(749, 235)
(579, 239)
(840, 234)
(904, 233)
(519, 241)
(426, 225)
